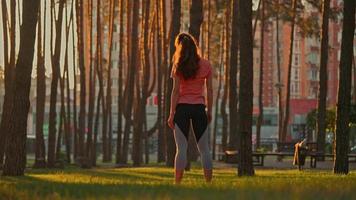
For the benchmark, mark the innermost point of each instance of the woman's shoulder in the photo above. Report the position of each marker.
(205, 67)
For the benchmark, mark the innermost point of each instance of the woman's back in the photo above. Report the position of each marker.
(191, 91)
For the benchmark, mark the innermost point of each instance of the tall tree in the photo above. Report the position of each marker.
(290, 61)
(91, 98)
(196, 21)
(8, 79)
(75, 121)
(245, 167)
(279, 78)
(341, 164)
(120, 82)
(226, 79)
(260, 86)
(82, 105)
(132, 73)
(233, 98)
(54, 85)
(323, 74)
(175, 28)
(127, 92)
(221, 63)
(160, 41)
(40, 152)
(15, 161)
(196, 18)
(107, 112)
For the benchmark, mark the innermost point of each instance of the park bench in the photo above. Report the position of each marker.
(314, 157)
(285, 149)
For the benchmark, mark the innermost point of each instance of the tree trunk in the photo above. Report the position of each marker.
(8, 79)
(165, 49)
(82, 107)
(54, 86)
(109, 81)
(341, 164)
(323, 81)
(120, 99)
(260, 88)
(75, 122)
(160, 40)
(286, 115)
(91, 99)
(279, 84)
(68, 136)
(15, 161)
(175, 25)
(226, 82)
(245, 166)
(136, 144)
(196, 20)
(218, 95)
(233, 100)
(127, 110)
(40, 151)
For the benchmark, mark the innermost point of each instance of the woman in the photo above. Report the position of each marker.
(190, 74)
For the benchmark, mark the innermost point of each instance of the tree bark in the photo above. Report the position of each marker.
(175, 25)
(233, 98)
(260, 87)
(120, 99)
(136, 151)
(161, 152)
(8, 80)
(15, 161)
(196, 18)
(279, 84)
(196, 21)
(341, 164)
(286, 115)
(245, 166)
(54, 86)
(323, 80)
(82, 106)
(218, 95)
(40, 151)
(91, 99)
(127, 110)
(226, 82)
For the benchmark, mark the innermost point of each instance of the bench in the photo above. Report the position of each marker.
(314, 157)
(257, 158)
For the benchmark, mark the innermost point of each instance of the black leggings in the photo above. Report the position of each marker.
(184, 113)
(195, 112)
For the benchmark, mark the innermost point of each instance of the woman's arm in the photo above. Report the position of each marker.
(174, 100)
(209, 99)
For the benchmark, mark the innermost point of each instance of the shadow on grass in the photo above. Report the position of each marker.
(156, 183)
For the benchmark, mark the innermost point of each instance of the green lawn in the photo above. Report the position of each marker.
(157, 183)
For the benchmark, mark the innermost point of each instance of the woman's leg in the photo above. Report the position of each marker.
(200, 126)
(181, 148)
(181, 130)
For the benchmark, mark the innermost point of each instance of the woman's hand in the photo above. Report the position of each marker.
(170, 121)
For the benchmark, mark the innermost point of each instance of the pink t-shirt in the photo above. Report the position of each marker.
(191, 91)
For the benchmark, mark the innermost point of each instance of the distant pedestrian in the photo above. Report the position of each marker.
(191, 76)
(300, 153)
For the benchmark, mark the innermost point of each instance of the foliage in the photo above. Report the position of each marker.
(157, 183)
(330, 119)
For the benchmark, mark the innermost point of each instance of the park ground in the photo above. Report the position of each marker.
(156, 182)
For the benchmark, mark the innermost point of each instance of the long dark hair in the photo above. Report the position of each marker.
(186, 57)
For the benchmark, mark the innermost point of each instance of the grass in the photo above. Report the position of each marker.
(157, 183)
